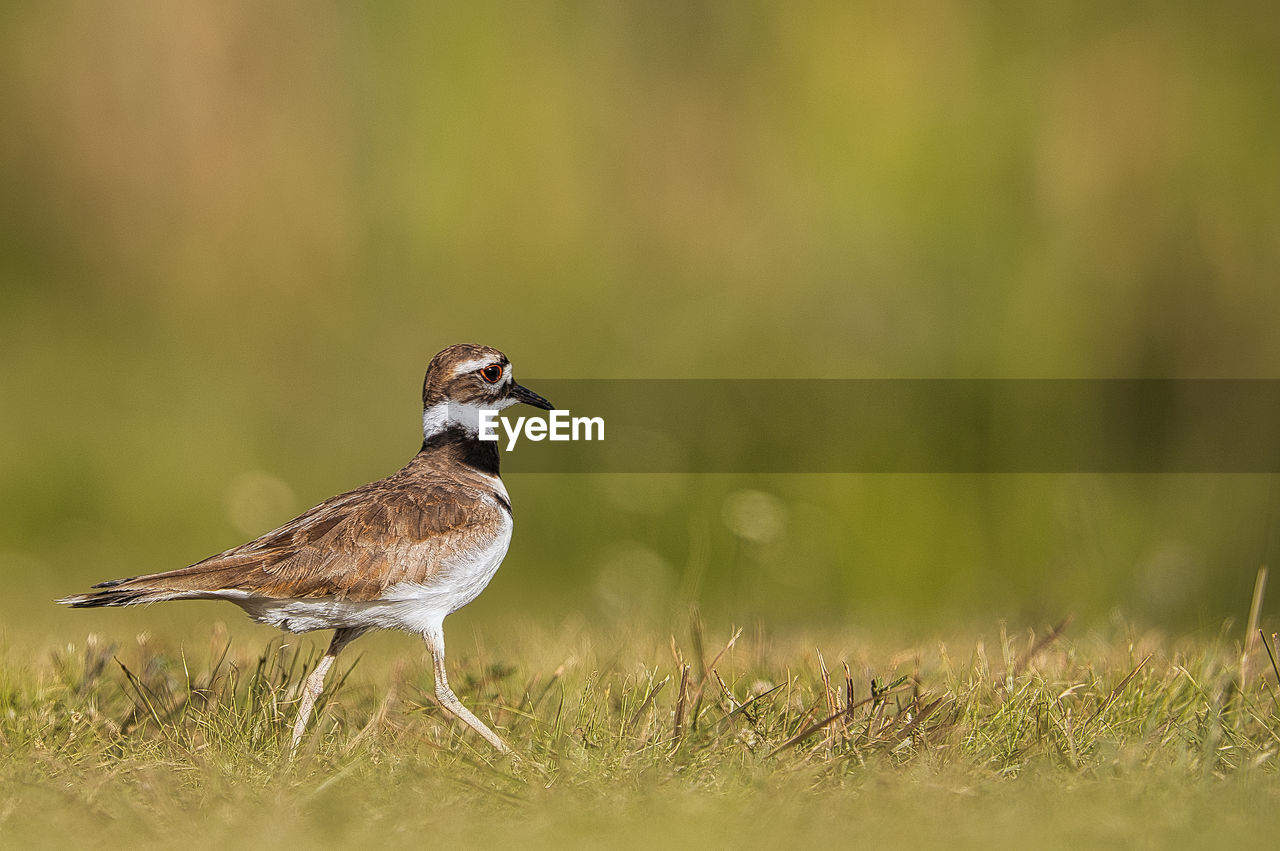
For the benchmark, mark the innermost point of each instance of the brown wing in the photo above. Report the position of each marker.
(353, 546)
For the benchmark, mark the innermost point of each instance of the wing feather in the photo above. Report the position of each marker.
(353, 546)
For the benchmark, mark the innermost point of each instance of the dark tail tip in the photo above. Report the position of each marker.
(111, 583)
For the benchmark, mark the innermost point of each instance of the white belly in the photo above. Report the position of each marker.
(411, 606)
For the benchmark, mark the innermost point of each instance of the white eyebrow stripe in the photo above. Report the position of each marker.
(472, 365)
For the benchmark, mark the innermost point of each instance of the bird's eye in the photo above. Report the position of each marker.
(491, 373)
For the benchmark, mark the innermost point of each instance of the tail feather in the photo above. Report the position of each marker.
(119, 597)
(199, 580)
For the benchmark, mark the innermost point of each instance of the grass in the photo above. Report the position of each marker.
(637, 738)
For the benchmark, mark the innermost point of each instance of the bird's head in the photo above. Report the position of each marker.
(464, 379)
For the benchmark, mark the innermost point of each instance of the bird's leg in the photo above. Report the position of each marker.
(444, 694)
(314, 685)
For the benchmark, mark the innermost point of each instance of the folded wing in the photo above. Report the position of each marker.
(353, 546)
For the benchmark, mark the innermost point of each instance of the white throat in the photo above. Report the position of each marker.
(444, 415)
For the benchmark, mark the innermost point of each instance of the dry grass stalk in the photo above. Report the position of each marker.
(1255, 612)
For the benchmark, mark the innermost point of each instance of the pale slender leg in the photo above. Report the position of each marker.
(314, 685)
(444, 694)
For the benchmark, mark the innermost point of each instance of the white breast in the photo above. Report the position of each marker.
(423, 606)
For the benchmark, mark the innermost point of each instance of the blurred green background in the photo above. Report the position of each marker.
(233, 234)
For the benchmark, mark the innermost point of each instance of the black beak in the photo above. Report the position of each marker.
(524, 394)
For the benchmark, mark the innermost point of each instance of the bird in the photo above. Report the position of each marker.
(403, 552)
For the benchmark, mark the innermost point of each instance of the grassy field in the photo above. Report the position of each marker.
(233, 234)
(634, 738)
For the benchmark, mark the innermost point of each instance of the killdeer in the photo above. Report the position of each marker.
(400, 553)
